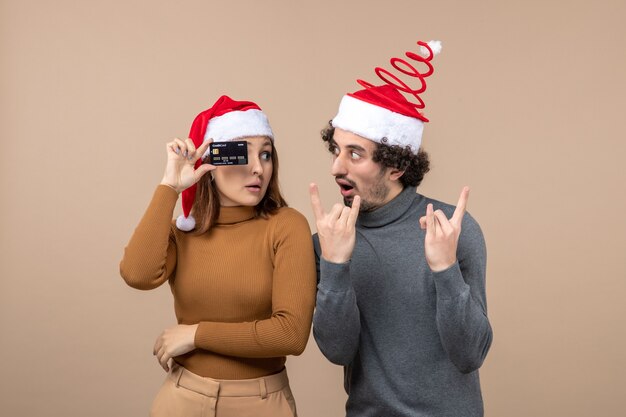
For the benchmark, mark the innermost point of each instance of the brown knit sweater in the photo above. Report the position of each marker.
(249, 283)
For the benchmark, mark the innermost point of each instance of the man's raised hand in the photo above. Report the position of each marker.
(335, 229)
(442, 234)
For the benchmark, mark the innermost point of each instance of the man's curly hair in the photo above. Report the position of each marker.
(395, 156)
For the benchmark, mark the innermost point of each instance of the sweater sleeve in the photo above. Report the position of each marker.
(336, 322)
(150, 256)
(286, 331)
(462, 320)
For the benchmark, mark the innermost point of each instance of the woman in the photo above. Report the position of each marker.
(241, 268)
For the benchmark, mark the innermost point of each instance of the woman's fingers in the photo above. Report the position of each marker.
(202, 149)
(203, 169)
(173, 146)
(157, 345)
(163, 359)
(191, 148)
(182, 147)
(187, 149)
(160, 352)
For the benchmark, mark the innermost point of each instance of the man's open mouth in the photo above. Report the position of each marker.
(345, 186)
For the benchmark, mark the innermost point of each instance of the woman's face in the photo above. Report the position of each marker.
(245, 185)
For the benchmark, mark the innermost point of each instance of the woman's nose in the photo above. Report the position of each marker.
(256, 166)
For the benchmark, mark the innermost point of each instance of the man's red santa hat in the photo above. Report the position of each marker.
(225, 121)
(382, 113)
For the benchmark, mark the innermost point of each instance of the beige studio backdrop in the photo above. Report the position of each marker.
(526, 107)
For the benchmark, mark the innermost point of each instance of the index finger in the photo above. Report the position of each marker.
(316, 203)
(459, 212)
(202, 149)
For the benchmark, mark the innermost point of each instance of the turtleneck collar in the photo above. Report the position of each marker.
(237, 214)
(391, 211)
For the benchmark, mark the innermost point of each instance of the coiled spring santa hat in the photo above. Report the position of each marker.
(225, 121)
(382, 113)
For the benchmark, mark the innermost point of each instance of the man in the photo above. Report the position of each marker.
(401, 298)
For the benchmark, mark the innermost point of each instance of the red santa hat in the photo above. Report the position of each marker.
(225, 121)
(382, 113)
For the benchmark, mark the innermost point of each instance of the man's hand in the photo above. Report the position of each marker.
(336, 228)
(174, 341)
(442, 235)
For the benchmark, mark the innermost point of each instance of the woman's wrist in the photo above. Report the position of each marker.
(163, 182)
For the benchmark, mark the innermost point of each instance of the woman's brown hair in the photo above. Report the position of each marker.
(206, 207)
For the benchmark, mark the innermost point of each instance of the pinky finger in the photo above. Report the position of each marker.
(173, 146)
(354, 210)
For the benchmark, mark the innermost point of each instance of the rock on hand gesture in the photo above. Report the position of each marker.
(335, 229)
(442, 234)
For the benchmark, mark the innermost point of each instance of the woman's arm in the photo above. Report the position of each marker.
(150, 256)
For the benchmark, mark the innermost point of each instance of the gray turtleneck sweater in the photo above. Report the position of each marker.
(410, 340)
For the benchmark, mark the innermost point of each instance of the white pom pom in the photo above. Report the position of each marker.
(435, 46)
(185, 223)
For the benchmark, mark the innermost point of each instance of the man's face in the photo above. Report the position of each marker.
(356, 173)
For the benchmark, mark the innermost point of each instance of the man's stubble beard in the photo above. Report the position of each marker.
(378, 193)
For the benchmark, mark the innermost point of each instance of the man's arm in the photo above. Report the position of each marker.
(456, 254)
(462, 320)
(336, 321)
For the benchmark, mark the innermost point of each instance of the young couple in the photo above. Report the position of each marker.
(399, 294)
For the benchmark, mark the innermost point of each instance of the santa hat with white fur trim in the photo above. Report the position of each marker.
(225, 121)
(382, 113)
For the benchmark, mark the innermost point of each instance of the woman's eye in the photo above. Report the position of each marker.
(266, 156)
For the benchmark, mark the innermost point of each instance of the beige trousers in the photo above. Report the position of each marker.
(185, 394)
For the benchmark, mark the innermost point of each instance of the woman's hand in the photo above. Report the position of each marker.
(173, 342)
(181, 158)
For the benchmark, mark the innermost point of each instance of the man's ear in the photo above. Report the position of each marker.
(395, 174)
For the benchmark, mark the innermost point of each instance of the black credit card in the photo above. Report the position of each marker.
(229, 153)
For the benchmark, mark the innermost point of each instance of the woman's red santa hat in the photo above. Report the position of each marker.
(225, 121)
(382, 113)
